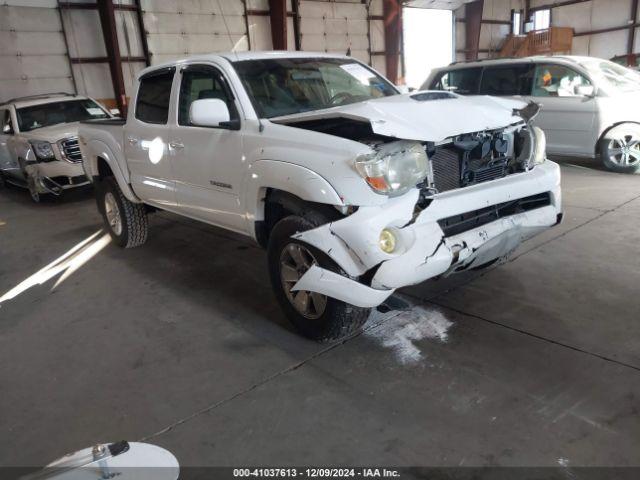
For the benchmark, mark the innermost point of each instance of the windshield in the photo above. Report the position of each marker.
(45, 115)
(294, 85)
(613, 75)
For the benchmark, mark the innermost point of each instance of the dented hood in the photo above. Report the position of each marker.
(405, 117)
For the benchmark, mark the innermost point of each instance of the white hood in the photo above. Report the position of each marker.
(401, 116)
(53, 133)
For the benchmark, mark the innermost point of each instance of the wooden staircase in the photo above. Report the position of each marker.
(539, 42)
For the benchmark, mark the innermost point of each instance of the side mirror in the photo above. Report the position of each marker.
(7, 130)
(115, 112)
(403, 89)
(585, 90)
(209, 112)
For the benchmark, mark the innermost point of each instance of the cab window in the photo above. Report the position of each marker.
(462, 81)
(200, 82)
(6, 126)
(557, 81)
(154, 94)
(507, 80)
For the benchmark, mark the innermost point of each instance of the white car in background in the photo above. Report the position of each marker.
(589, 105)
(39, 142)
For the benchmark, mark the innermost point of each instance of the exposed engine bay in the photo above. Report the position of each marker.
(457, 162)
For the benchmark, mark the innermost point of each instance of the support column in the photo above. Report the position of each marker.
(632, 30)
(110, 34)
(473, 23)
(392, 17)
(278, 14)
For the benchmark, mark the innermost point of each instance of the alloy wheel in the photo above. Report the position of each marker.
(112, 212)
(295, 260)
(624, 151)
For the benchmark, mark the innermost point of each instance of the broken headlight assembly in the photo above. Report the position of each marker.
(43, 151)
(539, 147)
(394, 168)
(531, 147)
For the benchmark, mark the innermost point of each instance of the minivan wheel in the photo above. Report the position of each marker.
(315, 315)
(125, 221)
(620, 149)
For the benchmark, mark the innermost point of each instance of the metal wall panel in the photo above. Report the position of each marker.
(188, 27)
(33, 57)
(335, 27)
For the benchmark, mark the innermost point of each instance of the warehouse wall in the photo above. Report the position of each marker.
(584, 17)
(33, 56)
(62, 49)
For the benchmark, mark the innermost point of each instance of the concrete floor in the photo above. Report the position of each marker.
(181, 342)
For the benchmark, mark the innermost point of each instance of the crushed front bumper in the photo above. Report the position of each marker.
(427, 245)
(56, 176)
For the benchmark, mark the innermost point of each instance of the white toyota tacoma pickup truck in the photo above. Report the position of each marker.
(355, 189)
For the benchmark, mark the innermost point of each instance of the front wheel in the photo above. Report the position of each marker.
(620, 148)
(315, 315)
(125, 221)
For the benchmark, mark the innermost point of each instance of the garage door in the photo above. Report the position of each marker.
(33, 57)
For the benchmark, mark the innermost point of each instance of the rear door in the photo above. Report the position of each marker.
(566, 117)
(146, 139)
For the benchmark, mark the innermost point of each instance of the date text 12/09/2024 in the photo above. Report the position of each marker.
(315, 473)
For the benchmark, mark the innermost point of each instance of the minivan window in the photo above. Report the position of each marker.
(152, 104)
(507, 80)
(463, 81)
(557, 81)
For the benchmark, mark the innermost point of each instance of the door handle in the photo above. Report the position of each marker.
(176, 145)
(132, 140)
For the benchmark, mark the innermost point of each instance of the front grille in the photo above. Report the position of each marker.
(467, 221)
(446, 168)
(71, 150)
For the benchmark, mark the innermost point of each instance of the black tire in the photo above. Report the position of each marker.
(134, 225)
(339, 319)
(610, 141)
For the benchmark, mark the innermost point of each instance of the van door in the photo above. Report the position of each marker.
(146, 139)
(566, 116)
(207, 161)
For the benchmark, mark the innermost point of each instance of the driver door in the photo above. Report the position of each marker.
(8, 161)
(207, 161)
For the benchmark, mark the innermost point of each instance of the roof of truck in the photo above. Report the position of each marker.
(241, 56)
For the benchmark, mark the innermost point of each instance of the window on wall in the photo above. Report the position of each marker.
(516, 22)
(542, 19)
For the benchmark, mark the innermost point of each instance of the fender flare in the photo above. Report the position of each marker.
(99, 149)
(288, 177)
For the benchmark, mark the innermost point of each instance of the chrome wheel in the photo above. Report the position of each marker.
(295, 260)
(112, 212)
(624, 151)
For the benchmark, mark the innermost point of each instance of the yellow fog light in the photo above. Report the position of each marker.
(387, 241)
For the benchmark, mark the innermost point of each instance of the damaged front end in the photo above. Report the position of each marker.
(453, 205)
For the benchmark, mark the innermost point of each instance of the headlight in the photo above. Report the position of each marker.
(394, 168)
(43, 150)
(539, 153)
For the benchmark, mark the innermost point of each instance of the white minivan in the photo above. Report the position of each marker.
(589, 105)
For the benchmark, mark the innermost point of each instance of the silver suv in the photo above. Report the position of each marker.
(39, 142)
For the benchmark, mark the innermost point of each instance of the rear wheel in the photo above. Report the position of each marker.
(126, 221)
(315, 315)
(620, 148)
